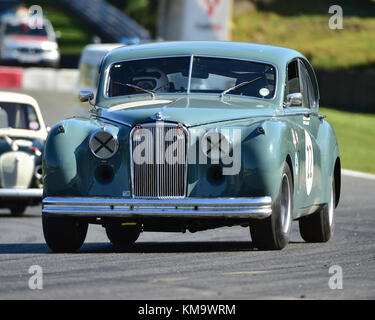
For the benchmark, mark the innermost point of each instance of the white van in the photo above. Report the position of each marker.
(89, 64)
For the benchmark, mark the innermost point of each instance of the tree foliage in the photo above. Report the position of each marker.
(145, 12)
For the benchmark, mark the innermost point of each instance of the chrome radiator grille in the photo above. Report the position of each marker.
(159, 161)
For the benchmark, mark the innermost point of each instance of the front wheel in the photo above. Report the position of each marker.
(273, 233)
(123, 234)
(17, 210)
(319, 226)
(64, 234)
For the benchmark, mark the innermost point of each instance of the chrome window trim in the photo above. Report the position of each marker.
(312, 75)
(192, 56)
(190, 73)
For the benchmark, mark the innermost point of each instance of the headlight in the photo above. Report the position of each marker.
(49, 46)
(103, 144)
(216, 144)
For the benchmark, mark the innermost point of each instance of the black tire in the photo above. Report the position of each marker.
(120, 235)
(319, 226)
(17, 210)
(273, 232)
(64, 234)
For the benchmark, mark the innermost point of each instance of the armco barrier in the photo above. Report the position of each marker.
(10, 77)
(351, 89)
(65, 80)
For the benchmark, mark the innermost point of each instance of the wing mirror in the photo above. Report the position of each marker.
(85, 96)
(294, 99)
(88, 96)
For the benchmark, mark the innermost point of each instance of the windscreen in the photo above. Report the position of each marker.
(216, 75)
(18, 116)
(208, 75)
(24, 30)
(162, 75)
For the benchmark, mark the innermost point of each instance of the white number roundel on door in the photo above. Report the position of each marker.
(309, 158)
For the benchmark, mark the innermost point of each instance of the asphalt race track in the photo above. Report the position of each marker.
(217, 264)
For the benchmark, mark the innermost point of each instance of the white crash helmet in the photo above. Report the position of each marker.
(152, 79)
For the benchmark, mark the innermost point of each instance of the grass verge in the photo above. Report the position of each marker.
(356, 137)
(353, 46)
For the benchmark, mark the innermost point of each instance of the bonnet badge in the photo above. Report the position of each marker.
(159, 116)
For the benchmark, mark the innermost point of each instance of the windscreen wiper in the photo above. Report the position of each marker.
(128, 85)
(242, 84)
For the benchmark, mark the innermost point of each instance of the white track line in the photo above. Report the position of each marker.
(357, 174)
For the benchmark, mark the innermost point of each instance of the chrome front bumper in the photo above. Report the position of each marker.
(237, 208)
(21, 193)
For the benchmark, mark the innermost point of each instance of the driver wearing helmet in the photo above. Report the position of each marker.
(152, 79)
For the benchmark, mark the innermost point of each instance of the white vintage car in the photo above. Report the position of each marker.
(22, 137)
(20, 43)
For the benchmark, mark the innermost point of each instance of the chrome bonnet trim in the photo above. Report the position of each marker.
(246, 208)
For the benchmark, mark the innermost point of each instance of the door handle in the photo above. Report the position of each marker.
(322, 117)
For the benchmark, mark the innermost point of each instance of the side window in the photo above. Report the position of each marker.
(4, 122)
(20, 119)
(293, 82)
(308, 91)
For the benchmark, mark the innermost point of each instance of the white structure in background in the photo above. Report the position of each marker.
(89, 64)
(195, 19)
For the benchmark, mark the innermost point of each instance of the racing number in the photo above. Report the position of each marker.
(309, 162)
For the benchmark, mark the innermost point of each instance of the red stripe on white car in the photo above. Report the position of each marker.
(29, 38)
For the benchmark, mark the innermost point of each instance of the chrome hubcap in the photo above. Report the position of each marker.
(331, 208)
(285, 206)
